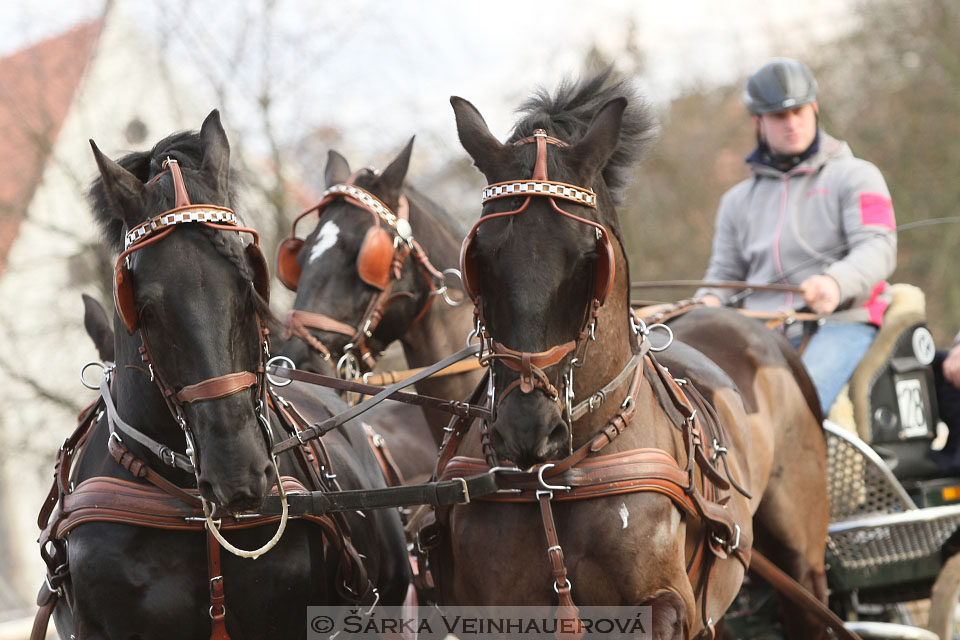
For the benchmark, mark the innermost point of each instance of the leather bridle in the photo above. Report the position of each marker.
(385, 248)
(154, 230)
(532, 365)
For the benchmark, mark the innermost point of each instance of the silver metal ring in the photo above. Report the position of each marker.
(443, 289)
(272, 363)
(83, 370)
(666, 329)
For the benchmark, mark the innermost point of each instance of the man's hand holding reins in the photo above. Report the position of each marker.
(821, 293)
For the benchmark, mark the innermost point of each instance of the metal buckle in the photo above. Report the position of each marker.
(50, 587)
(717, 450)
(596, 400)
(466, 491)
(543, 483)
(163, 452)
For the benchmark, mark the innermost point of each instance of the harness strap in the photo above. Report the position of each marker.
(567, 610)
(216, 388)
(218, 610)
(391, 472)
(318, 429)
(789, 587)
(161, 451)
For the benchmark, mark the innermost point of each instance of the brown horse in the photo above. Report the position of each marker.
(549, 276)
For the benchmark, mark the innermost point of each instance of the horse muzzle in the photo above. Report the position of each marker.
(530, 429)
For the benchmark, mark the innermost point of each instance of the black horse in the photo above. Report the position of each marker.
(191, 305)
(332, 269)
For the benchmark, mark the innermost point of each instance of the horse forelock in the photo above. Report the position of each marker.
(568, 112)
(185, 148)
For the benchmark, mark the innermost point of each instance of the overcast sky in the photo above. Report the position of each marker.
(378, 69)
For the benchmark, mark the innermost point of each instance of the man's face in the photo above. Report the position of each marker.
(788, 132)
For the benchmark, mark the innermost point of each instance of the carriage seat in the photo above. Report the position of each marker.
(890, 401)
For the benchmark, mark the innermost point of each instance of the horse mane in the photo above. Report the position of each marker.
(568, 112)
(185, 148)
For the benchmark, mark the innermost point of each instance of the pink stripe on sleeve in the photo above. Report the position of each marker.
(876, 208)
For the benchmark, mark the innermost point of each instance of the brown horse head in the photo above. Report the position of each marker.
(544, 263)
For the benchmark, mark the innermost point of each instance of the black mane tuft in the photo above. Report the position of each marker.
(568, 113)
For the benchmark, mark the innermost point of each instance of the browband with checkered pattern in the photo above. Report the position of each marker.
(180, 215)
(547, 188)
(366, 198)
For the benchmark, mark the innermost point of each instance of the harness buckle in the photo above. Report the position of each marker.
(596, 400)
(57, 590)
(717, 451)
(162, 453)
(549, 488)
(466, 491)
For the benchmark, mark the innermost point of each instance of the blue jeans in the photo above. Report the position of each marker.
(832, 354)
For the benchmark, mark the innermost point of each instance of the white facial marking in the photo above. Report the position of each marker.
(624, 514)
(325, 239)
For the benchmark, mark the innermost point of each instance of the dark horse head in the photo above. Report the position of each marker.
(539, 267)
(190, 313)
(354, 268)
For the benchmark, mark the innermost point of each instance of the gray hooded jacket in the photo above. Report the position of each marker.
(831, 214)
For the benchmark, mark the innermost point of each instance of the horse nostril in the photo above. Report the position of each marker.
(206, 490)
(269, 474)
(559, 434)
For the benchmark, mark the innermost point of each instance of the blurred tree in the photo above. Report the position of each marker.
(892, 89)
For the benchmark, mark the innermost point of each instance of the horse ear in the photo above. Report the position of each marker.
(591, 152)
(98, 328)
(123, 189)
(216, 152)
(337, 170)
(476, 138)
(389, 184)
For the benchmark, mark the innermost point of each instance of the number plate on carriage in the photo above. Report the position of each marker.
(912, 404)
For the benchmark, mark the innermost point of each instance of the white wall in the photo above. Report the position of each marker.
(41, 317)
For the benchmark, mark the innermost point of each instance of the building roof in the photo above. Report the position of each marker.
(37, 87)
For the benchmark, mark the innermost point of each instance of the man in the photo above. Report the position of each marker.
(811, 215)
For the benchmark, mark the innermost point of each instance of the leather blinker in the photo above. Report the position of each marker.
(123, 297)
(261, 273)
(376, 257)
(288, 269)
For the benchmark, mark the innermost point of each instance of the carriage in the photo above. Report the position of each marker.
(869, 506)
(894, 516)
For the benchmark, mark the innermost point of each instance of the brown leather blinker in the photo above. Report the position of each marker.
(288, 269)
(123, 297)
(376, 257)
